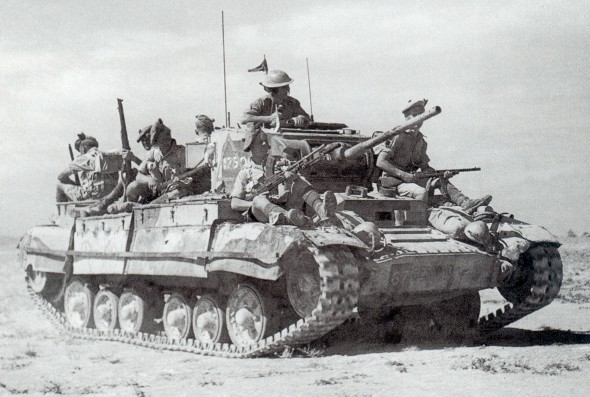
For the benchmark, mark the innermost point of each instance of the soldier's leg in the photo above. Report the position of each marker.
(412, 190)
(449, 222)
(66, 192)
(266, 211)
(143, 188)
(469, 205)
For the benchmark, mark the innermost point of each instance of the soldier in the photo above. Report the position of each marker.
(406, 154)
(118, 192)
(165, 160)
(267, 209)
(198, 179)
(276, 103)
(98, 171)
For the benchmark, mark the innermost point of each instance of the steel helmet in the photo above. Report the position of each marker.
(479, 233)
(276, 78)
(369, 234)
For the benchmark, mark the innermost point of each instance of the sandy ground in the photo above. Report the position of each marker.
(545, 354)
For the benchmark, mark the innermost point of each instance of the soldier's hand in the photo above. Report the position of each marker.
(409, 178)
(272, 119)
(290, 176)
(449, 174)
(300, 121)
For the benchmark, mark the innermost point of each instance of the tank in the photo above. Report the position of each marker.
(193, 275)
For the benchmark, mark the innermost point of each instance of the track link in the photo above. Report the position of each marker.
(337, 303)
(546, 268)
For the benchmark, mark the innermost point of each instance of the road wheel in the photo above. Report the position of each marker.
(209, 320)
(78, 301)
(134, 312)
(247, 316)
(105, 310)
(177, 317)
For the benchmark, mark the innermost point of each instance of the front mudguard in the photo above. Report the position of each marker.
(260, 249)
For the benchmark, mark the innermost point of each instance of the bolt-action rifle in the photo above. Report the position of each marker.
(441, 173)
(76, 177)
(307, 161)
(126, 172)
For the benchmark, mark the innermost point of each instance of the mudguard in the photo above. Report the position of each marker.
(531, 233)
(44, 248)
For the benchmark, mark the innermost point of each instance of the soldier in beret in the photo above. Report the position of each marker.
(406, 154)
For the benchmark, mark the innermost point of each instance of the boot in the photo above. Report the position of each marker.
(325, 208)
(469, 205)
(299, 219)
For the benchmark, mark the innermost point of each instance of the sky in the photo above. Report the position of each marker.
(511, 78)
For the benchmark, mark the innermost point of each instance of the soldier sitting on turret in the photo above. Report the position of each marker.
(97, 171)
(405, 155)
(270, 208)
(275, 104)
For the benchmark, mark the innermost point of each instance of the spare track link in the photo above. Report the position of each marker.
(547, 276)
(337, 303)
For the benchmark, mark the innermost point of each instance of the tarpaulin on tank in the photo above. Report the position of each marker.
(261, 241)
(532, 233)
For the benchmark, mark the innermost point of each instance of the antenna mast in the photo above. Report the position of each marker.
(224, 78)
(309, 87)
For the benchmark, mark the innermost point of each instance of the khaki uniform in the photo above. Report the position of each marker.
(264, 106)
(98, 173)
(157, 169)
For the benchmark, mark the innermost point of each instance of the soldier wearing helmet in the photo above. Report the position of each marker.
(406, 154)
(275, 104)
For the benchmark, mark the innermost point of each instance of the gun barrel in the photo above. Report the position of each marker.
(368, 144)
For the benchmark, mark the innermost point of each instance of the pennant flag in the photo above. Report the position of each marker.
(263, 67)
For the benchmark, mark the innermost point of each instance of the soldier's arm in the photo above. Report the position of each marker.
(386, 165)
(253, 118)
(64, 176)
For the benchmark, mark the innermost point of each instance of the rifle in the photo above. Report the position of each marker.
(440, 173)
(76, 177)
(305, 162)
(126, 171)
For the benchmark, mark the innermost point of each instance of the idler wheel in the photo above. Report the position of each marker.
(209, 320)
(105, 310)
(303, 284)
(50, 285)
(133, 312)
(177, 317)
(246, 316)
(78, 300)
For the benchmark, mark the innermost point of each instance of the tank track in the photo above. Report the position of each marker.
(546, 282)
(337, 303)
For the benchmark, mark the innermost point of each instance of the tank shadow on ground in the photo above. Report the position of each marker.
(351, 340)
(524, 337)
